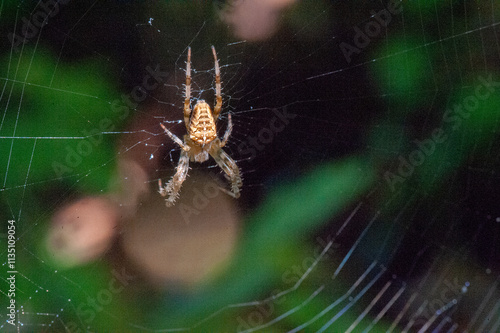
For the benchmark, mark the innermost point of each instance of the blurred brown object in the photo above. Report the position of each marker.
(254, 20)
(82, 230)
(188, 242)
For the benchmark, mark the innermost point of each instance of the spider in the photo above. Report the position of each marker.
(201, 140)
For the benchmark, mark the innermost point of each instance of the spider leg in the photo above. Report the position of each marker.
(187, 108)
(175, 139)
(228, 131)
(172, 188)
(231, 170)
(218, 95)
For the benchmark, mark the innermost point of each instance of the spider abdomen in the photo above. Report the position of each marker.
(202, 128)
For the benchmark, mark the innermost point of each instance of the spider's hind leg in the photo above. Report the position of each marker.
(172, 188)
(231, 170)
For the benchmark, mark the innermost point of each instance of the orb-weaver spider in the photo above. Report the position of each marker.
(201, 140)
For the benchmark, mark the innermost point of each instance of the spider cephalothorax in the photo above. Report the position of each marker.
(201, 140)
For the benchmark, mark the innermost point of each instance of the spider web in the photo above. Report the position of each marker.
(414, 95)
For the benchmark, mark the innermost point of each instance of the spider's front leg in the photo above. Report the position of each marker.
(187, 98)
(172, 188)
(218, 96)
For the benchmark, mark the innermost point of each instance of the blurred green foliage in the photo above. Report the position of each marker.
(401, 70)
(50, 105)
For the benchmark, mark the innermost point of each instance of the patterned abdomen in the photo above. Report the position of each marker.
(202, 125)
